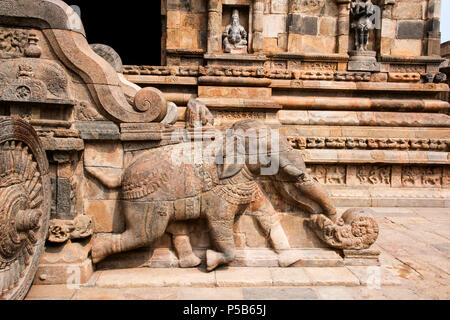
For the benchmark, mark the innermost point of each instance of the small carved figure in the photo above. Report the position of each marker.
(428, 77)
(197, 114)
(440, 77)
(235, 36)
(362, 12)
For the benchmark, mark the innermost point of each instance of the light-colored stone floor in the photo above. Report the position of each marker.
(415, 256)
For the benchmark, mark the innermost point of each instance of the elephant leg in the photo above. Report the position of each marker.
(221, 221)
(268, 220)
(143, 226)
(182, 244)
(222, 232)
(106, 244)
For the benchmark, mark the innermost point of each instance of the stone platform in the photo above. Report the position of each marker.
(415, 264)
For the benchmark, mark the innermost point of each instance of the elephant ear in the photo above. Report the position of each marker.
(230, 163)
(229, 170)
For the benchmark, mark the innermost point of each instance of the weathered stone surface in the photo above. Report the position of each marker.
(327, 26)
(71, 274)
(404, 10)
(406, 47)
(155, 278)
(106, 155)
(306, 25)
(50, 292)
(410, 30)
(279, 294)
(332, 276)
(105, 214)
(243, 277)
(103, 130)
(279, 6)
(273, 25)
(291, 277)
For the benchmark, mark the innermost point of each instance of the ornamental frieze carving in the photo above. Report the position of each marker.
(438, 145)
(307, 71)
(378, 175)
(329, 175)
(306, 6)
(374, 175)
(33, 80)
(413, 176)
(16, 43)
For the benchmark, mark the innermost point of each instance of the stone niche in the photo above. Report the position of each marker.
(245, 20)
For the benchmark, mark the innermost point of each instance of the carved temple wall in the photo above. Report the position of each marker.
(377, 136)
(298, 76)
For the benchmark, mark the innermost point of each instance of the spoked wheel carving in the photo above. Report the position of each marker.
(24, 206)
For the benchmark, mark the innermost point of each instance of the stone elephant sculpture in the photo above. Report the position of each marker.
(158, 190)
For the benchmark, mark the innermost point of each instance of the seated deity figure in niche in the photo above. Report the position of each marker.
(235, 36)
(362, 12)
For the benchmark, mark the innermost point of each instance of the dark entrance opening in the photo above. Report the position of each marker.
(132, 28)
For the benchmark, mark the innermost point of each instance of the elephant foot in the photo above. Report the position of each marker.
(213, 260)
(100, 247)
(287, 258)
(190, 261)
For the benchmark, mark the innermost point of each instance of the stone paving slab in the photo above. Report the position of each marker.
(155, 277)
(290, 277)
(243, 277)
(408, 290)
(227, 277)
(332, 277)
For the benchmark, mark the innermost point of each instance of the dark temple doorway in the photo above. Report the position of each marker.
(132, 28)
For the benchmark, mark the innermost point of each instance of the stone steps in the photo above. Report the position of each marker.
(240, 277)
(250, 257)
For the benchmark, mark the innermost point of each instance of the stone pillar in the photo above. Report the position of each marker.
(258, 23)
(433, 35)
(214, 26)
(343, 26)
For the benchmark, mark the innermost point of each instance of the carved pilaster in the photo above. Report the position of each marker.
(388, 28)
(432, 27)
(214, 26)
(343, 26)
(258, 22)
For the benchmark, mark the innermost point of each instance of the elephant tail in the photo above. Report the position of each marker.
(109, 180)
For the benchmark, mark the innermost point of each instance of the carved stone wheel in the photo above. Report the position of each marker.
(24, 206)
